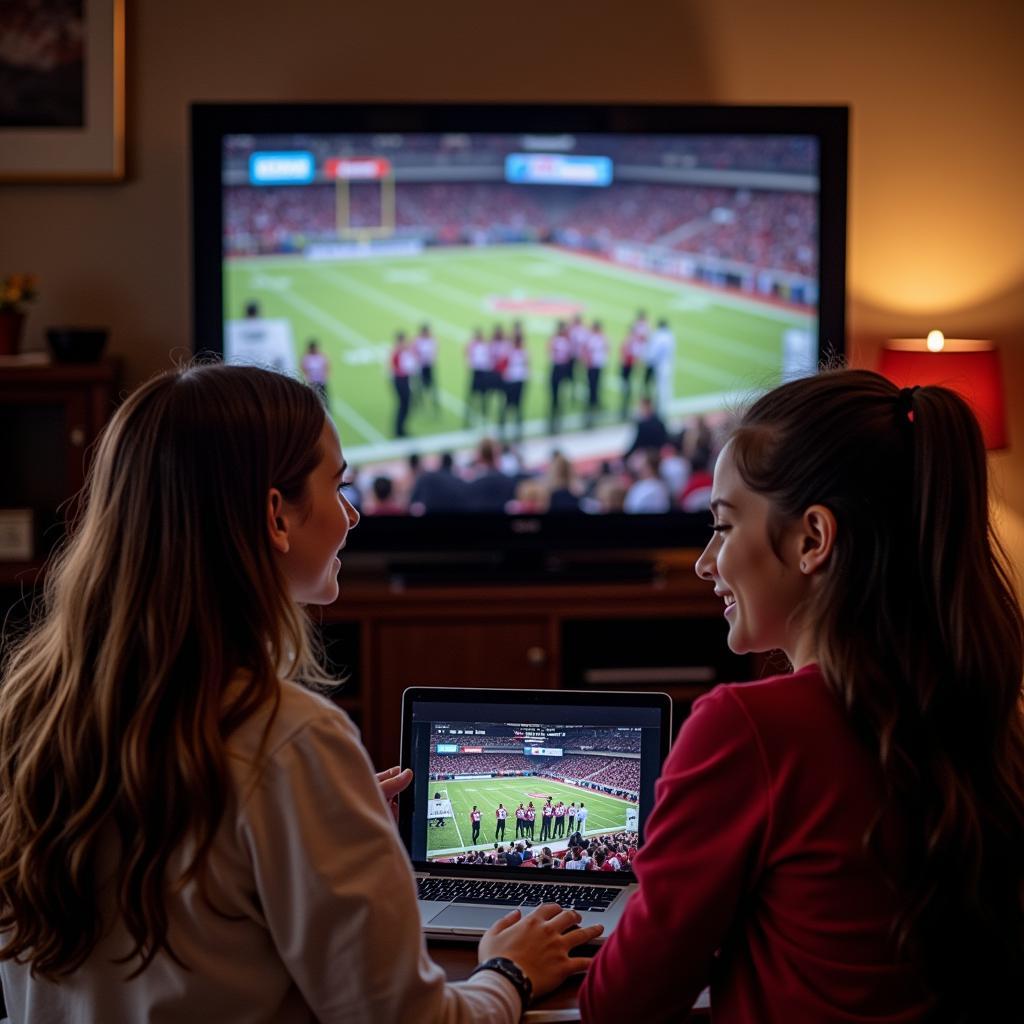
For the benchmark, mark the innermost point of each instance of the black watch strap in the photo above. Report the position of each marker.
(511, 970)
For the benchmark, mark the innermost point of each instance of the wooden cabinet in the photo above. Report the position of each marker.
(50, 414)
(666, 635)
(470, 652)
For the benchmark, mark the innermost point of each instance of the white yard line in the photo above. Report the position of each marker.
(619, 272)
(628, 278)
(363, 425)
(379, 298)
(348, 337)
(613, 270)
(357, 340)
(688, 366)
(325, 319)
(455, 818)
(495, 281)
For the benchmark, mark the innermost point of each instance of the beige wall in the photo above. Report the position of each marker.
(937, 140)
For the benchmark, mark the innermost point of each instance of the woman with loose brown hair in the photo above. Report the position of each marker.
(844, 842)
(187, 832)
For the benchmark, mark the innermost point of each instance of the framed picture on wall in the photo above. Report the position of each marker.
(62, 90)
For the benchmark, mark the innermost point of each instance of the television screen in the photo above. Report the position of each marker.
(523, 311)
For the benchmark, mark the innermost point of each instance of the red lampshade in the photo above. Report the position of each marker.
(971, 368)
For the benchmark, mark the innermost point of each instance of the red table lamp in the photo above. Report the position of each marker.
(971, 368)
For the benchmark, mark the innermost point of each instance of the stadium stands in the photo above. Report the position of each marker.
(479, 764)
(620, 773)
(761, 229)
(603, 740)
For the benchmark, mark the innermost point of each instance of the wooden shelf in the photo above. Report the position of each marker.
(50, 415)
(39, 368)
(543, 636)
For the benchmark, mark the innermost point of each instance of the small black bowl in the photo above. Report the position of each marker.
(76, 344)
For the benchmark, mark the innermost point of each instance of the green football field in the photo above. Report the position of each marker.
(725, 344)
(605, 813)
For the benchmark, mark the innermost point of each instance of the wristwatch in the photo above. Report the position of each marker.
(508, 969)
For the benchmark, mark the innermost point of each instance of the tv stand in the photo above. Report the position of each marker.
(603, 620)
(522, 570)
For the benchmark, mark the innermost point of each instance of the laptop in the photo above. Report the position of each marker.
(523, 797)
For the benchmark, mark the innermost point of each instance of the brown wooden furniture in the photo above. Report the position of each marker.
(50, 413)
(667, 634)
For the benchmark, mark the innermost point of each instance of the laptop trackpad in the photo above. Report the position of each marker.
(456, 916)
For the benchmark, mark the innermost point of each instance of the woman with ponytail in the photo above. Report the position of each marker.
(189, 833)
(844, 842)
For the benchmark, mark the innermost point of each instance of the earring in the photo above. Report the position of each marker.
(803, 567)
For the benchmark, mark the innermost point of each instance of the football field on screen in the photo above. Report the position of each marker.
(604, 813)
(353, 308)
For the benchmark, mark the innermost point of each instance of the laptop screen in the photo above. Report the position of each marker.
(537, 784)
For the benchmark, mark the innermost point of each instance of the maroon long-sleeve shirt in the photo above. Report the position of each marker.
(754, 878)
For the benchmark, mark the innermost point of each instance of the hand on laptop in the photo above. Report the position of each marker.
(392, 782)
(540, 944)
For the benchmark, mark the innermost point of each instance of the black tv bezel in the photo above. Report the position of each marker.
(486, 697)
(501, 534)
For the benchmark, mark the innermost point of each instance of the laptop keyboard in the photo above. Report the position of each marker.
(593, 898)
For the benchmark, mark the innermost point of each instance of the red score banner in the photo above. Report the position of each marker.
(357, 168)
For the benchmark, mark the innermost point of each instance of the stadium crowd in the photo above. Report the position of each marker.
(758, 228)
(766, 229)
(621, 773)
(625, 740)
(618, 776)
(614, 852)
(615, 740)
(478, 764)
(571, 768)
(658, 472)
(637, 213)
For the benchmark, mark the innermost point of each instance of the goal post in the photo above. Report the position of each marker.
(347, 171)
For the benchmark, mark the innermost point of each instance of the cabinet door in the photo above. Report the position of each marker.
(493, 654)
(681, 656)
(42, 457)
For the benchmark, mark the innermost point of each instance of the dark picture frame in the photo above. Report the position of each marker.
(75, 131)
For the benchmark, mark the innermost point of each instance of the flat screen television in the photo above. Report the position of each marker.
(492, 296)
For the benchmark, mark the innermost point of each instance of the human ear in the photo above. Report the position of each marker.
(816, 538)
(277, 522)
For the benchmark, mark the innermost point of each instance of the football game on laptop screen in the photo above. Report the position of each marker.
(508, 785)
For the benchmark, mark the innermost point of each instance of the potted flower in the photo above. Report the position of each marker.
(16, 291)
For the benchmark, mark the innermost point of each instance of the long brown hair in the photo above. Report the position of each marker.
(921, 635)
(114, 708)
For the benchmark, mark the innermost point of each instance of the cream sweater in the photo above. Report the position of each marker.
(318, 918)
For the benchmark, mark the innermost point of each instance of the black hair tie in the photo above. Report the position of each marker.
(905, 400)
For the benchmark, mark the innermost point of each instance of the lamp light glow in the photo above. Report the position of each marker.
(971, 368)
